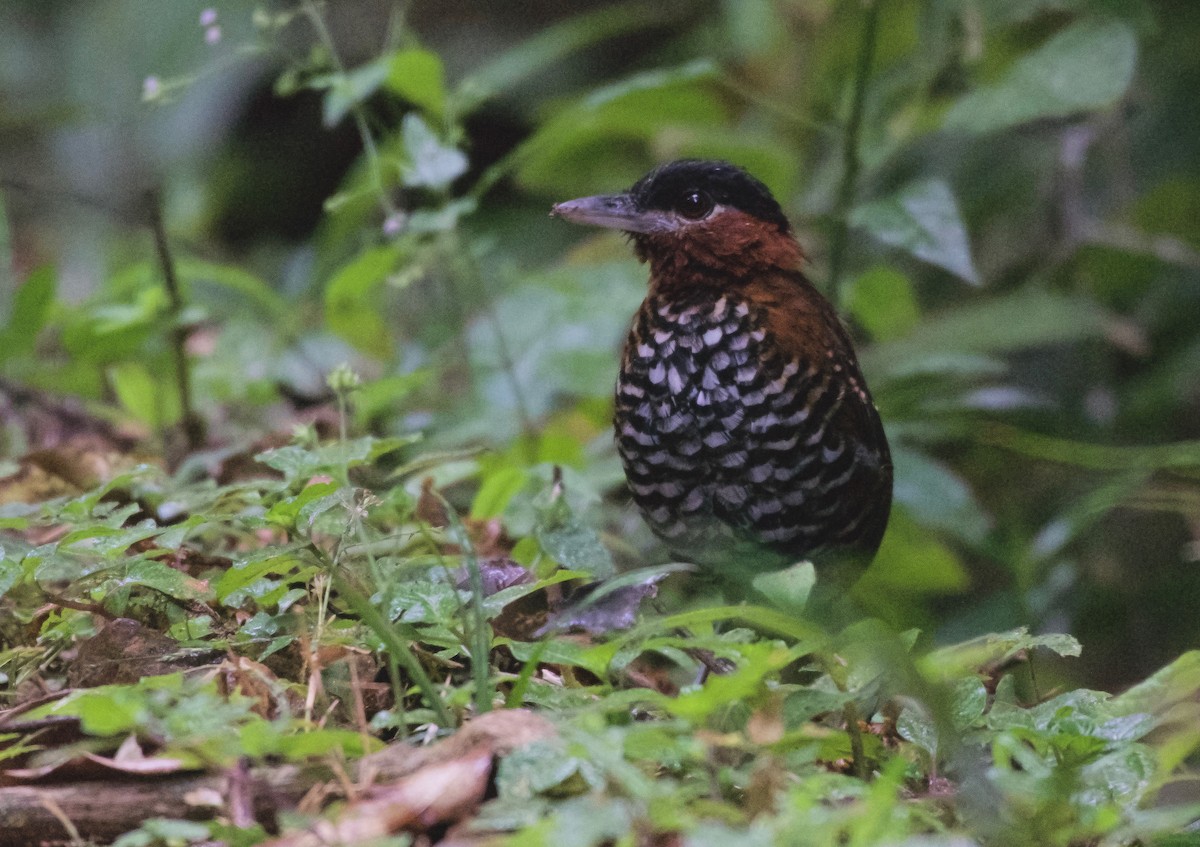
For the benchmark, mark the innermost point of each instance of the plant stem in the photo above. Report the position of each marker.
(850, 712)
(851, 163)
(193, 426)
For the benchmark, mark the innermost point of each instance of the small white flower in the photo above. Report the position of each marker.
(212, 35)
(208, 17)
(151, 88)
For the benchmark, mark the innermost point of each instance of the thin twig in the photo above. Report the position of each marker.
(851, 163)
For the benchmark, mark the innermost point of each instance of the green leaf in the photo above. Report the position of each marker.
(348, 90)
(254, 289)
(910, 562)
(1028, 317)
(11, 570)
(108, 711)
(1181, 455)
(789, 588)
(576, 547)
(1178, 682)
(544, 767)
(299, 746)
(992, 650)
(162, 578)
(116, 331)
(352, 307)
(497, 491)
(431, 164)
(285, 512)
(937, 497)
(569, 541)
(970, 699)
(562, 651)
(381, 398)
(169, 831)
(1086, 66)
(721, 690)
(883, 302)
(423, 602)
(246, 572)
(418, 77)
(560, 329)
(143, 396)
(30, 308)
(921, 218)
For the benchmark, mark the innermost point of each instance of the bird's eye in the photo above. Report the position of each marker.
(694, 205)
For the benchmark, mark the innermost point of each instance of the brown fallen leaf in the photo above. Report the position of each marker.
(436, 794)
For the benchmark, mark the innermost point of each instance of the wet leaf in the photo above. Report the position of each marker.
(568, 540)
(922, 218)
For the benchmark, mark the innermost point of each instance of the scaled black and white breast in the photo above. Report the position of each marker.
(727, 442)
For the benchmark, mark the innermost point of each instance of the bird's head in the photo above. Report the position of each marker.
(694, 215)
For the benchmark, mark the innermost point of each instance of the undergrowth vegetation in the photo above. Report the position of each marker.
(311, 463)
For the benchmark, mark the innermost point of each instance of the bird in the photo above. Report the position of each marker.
(745, 427)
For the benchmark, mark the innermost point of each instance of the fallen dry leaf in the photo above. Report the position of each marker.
(436, 794)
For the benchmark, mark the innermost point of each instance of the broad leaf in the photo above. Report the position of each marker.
(921, 218)
(1087, 66)
(352, 307)
(347, 90)
(431, 164)
(31, 305)
(418, 77)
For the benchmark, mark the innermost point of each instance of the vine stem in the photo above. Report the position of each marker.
(851, 163)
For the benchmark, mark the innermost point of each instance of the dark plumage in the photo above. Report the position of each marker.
(745, 426)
